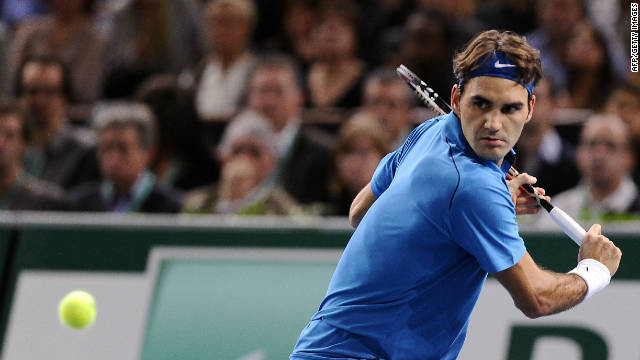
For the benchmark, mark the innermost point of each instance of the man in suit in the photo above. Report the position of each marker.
(605, 160)
(58, 152)
(304, 155)
(18, 189)
(126, 137)
(388, 97)
(542, 151)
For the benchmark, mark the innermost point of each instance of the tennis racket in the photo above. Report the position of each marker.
(430, 98)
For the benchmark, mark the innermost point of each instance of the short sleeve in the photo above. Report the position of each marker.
(386, 169)
(483, 223)
(384, 173)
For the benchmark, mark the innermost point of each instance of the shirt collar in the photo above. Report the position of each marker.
(131, 201)
(454, 135)
(618, 201)
(56, 141)
(287, 135)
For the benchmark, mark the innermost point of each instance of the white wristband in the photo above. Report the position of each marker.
(594, 273)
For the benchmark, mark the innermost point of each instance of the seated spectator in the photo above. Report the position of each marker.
(590, 75)
(299, 21)
(556, 19)
(69, 34)
(145, 37)
(248, 181)
(605, 160)
(222, 77)
(541, 151)
(58, 152)
(458, 14)
(19, 190)
(381, 26)
(517, 16)
(426, 47)
(361, 144)
(181, 158)
(335, 77)
(389, 98)
(125, 143)
(304, 153)
(625, 102)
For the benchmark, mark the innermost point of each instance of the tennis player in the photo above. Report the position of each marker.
(438, 216)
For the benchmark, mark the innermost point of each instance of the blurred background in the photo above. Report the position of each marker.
(227, 118)
(285, 107)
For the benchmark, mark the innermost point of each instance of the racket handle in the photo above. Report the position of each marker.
(568, 225)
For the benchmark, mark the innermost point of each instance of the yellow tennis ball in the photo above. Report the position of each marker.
(77, 309)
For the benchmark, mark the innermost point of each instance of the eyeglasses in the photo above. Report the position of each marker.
(45, 90)
(249, 149)
(609, 146)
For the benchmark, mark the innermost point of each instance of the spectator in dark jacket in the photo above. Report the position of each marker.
(126, 135)
(304, 153)
(19, 190)
(58, 152)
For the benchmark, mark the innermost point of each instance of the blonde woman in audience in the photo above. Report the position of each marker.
(361, 144)
(222, 76)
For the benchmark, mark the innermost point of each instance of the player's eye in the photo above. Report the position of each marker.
(481, 104)
(510, 108)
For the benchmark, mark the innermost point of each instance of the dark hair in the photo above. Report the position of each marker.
(279, 61)
(348, 10)
(606, 78)
(88, 6)
(47, 60)
(386, 76)
(10, 107)
(518, 51)
(175, 117)
(627, 87)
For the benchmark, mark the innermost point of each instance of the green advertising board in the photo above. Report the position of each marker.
(248, 307)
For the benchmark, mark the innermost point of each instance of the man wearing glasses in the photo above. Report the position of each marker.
(58, 152)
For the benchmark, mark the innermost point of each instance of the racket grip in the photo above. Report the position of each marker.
(568, 225)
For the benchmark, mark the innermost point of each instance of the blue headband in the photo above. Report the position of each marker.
(499, 65)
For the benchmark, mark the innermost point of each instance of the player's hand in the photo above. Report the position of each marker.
(598, 247)
(524, 202)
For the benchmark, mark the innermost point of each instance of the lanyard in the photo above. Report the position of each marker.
(141, 189)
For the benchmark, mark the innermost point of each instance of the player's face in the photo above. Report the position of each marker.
(492, 112)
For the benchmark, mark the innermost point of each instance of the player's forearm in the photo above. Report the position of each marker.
(537, 292)
(361, 205)
(559, 292)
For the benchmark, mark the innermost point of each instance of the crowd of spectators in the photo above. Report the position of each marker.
(286, 106)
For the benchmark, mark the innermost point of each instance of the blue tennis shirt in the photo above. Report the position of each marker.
(413, 270)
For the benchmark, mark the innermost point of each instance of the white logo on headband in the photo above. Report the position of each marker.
(498, 65)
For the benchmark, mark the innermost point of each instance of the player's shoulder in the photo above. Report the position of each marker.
(417, 135)
(426, 125)
(480, 181)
